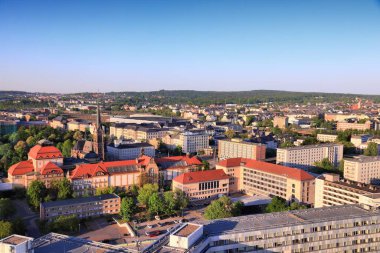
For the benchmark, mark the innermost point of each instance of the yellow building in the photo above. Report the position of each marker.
(280, 122)
(256, 177)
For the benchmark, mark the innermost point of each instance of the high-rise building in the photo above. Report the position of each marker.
(304, 157)
(99, 136)
(236, 148)
(363, 169)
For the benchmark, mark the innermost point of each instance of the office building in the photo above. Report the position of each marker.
(237, 148)
(262, 178)
(335, 191)
(201, 185)
(81, 207)
(304, 157)
(363, 169)
(347, 228)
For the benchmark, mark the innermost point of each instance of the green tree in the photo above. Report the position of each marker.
(341, 166)
(5, 229)
(35, 193)
(230, 133)
(145, 192)
(6, 208)
(127, 208)
(276, 205)
(18, 226)
(105, 190)
(62, 188)
(64, 224)
(170, 202)
(31, 141)
(296, 206)
(155, 204)
(20, 147)
(325, 164)
(182, 201)
(66, 148)
(78, 135)
(222, 208)
(372, 149)
(206, 165)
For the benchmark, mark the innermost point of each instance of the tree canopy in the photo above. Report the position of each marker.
(222, 208)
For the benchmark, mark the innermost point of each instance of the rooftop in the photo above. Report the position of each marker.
(15, 239)
(74, 201)
(187, 230)
(131, 145)
(363, 159)
(258, 222)
(312, 146)
(201, 176)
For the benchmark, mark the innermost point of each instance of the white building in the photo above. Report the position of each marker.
(327, 137)
(193, 141)
(128, 151)
(363, 169)
(16, 244)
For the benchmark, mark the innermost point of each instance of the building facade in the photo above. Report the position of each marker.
(304, 157)
(342, 126)
(193, 142)
(327, 137)
(257, 177)
(201, 185)
(363, 169)
(335, 191)
(234, 148)
(81, 207)
(129, 151)
(173, 166)
(280, 122)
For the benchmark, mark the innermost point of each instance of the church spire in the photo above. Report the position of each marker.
(99, 147)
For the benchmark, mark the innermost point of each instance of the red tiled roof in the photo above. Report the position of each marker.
(21, 168)
(293, 173)
(91, 169)
(44, 152)
(201, 176)
(189, 160)
(51, 168)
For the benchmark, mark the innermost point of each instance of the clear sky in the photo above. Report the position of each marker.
(141, 45)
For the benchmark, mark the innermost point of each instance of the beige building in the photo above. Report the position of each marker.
(334, 191)
(201, 185)
(304, 157)
(137, 131)
(237, 148)
(81, 207)
(256, 177)
(280, 122)
(363, 169)
(327, 137)
(337, 229)
(189, 141)
(342, 126)
(16, 244)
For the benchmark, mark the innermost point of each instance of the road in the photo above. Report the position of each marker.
(30, 218)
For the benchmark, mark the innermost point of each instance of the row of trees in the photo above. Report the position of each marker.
(8, 223)
(223, 208)
(279, 205)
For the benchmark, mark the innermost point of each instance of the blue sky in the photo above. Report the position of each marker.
(141, 45)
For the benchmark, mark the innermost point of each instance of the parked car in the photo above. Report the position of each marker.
(157, 217)
(150, 226)
(152, 233)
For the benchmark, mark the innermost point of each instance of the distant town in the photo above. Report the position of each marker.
(189, 171)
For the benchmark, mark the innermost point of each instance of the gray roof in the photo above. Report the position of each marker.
(312, 146)
(284, 219)
(74, 201)
(131, 145)
(363, 159)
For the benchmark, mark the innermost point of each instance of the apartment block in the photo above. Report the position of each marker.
(256, 177)
(237, 148)
(327, 137)
(363, 169)
(342, 126)
(280, 122)
(81, 207)
(334, 191)
(343, 229)
(194, 141)
(304, 157)
(137, 131)
(201, 185)
(127, 151)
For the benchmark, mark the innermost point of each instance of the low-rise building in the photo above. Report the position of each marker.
(238, 148)
(16, 244)
(81, 207)
(173, 166)
(304, 157)
(127, 151)
(201, 185)
(257, 177)
(363, 169)
(280, 122)
(327, 137)
(335, 191)
(359, 140)
(342, 126)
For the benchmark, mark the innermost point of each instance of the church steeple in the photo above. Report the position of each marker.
(99, 135)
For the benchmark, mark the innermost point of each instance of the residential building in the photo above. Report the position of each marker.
(173, 166)
(256, 177)
(363, 169)
(280, 122)
(193, 141)
(58, 122)
(202, 185)
(82, 148)
(238, 148)
(141, 132)
(304, 157)
(343, 117)
(335, 191)
(359, 140)
(86, 178)
(327, 137)
(80, 125)
(81, 207)
(16, 244)
(119, 150)
(342, 126)
(337, 229)
(44, 163)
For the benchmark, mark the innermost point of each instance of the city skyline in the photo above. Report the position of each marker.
(68, 47)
